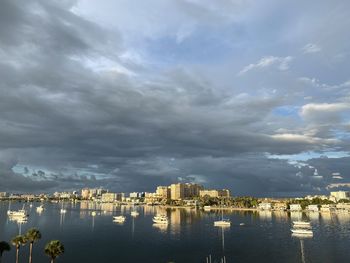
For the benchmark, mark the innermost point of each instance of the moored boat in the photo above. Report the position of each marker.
(119, 219)
(302, 231)
(160, 219)
(134, 213)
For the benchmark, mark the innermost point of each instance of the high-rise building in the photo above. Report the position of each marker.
(215, 193)
(85, 193)
(177, 191)
(182, 191)
(163, 192)
(108, 197)
(340, 195)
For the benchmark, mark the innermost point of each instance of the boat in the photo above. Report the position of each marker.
(301, 224)
(63, 211)
(40, 208)
(207, 208)
(301, 231)
(93, 213)
(119, 219)
(161, 219)
(242, 224)
(18, 213)
(134, 213)
(222, 222)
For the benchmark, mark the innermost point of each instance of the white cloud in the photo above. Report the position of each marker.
(281, 62)
(317, 84)
(302, 138)
(311, 48)
(311, 108)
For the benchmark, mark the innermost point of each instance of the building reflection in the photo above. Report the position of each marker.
(314, 216)
(296, 216)
(265, 215)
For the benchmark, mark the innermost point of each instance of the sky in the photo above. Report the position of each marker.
(253, 96)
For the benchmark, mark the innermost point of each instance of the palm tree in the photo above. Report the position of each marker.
(53, 249)
(4, 246)
(32, 236)
(17, 241)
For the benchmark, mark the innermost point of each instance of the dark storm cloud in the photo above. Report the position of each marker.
(72, 105)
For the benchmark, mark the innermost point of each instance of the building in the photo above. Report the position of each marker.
(279, 206)
(192, 190)
(177, 191)
(214, 193)
(163, 192)
(181, 191)
(28, 197)
(339, 195)
(120, 197)
(85, 193)
(3, 195)
(312, 208)
(295, 207)
(265, 206)
(108, 197)
(343, 206)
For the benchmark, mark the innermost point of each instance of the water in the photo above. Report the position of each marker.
(190, 236)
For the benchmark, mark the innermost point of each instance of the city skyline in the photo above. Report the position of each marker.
(239, 95)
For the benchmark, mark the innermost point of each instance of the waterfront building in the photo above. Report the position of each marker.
(311, 197)
(163, 192)
(312, 208)
(279, 206)
(265, 206)
(343, 207)
(3, 195)
(108, 197)
(295, 207)
(192, 190)
(85, 193)
(180, 191)
(338, 195)
(177, 191)
(214, 193)
(28, 197)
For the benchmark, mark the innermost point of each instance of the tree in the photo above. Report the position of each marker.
(18, 241)
(53, 249)
(4, 246)
(32, 236)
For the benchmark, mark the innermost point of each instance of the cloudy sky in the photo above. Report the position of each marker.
(253, 96)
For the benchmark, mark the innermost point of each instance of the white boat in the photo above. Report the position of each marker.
(134, 213)
(63, 211)
(18, 213)
(40, 208)
(160, 219)
(222, 222)
(207, 208)
(301, 224)
(93, 213)
(119, 219)
(301, 231)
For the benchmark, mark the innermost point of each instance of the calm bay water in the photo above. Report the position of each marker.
(190, 236)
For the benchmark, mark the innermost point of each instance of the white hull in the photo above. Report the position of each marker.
(222, 223)
(134, 213)
(302, 231)
(161, 220)
(119, 219)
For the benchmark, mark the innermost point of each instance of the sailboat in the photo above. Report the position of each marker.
(222, 222)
